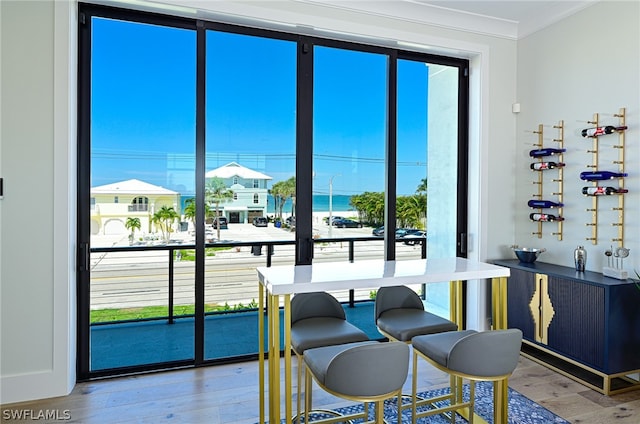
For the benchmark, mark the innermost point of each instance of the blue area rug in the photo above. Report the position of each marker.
(522, 410)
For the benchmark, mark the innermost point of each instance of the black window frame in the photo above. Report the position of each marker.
(304, 155)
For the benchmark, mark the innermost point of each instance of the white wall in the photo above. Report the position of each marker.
(585, 64)
(37, 313)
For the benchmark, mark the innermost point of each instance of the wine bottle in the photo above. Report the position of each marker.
(544, 204)
(595, 132)
(545, 217)
(541, 166)
(545, 152)
(603, 191)
(601, 175)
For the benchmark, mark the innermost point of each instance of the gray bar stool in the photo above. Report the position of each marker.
(400, 315)
(468, 354)
(363, 372)
(318, 320)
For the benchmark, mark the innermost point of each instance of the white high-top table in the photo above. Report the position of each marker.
(284, 281)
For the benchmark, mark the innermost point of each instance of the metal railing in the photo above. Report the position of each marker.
(132, 278)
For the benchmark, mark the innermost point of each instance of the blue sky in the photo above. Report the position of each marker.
(143, 109)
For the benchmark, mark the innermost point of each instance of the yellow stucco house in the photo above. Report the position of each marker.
(112, 204)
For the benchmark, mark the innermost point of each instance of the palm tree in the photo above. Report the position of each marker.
(422, 187)
(190, 210)
(276, 191)
(216, 192)
(370, 206)
(411, 209)
(132, 224)
(164, 218)
(281, 192)
(290, 192)
(422, 191)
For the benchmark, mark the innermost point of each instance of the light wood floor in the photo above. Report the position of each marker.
(229, 394)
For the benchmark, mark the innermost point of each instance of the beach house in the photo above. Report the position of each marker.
(112, 204)
(250, 192)
(549, 66)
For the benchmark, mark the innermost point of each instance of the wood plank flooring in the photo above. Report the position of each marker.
(229, 394)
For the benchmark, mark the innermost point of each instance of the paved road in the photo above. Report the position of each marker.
(135, 279)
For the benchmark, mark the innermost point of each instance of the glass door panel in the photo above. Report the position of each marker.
(249, 179)
(349, 139)
(427, 167)
(142, 163)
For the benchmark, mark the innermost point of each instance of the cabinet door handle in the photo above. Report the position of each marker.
(540, 312)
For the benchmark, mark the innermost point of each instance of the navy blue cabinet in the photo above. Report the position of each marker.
(581, 324)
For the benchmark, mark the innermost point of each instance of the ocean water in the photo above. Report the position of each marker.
(339, 202)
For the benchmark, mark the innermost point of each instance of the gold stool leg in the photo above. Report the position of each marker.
(380, 412)
(307, 394)
(414, 388)
(399, 406)
(472, 398)
(299, 390)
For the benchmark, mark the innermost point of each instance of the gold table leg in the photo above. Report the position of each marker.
(499, 316)
(455, 302)
(273, 336)
(288, 395)
(274, 358)
(261, 351)
(499, 303)
(500, 401)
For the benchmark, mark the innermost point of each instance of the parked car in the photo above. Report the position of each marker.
(414, 238)
(260, 221)
(220, 221)
(346, 223)
(290, 221)
(378, 232)
(333, 219)
(400, 232)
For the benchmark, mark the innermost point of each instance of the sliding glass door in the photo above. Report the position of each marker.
(428, 189)
(249, 178)
(206, 150)
(138, 162)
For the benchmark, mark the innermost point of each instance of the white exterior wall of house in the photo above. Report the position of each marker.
(37, 148)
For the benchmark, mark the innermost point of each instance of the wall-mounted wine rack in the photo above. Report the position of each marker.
(544, 166)
(599, 191)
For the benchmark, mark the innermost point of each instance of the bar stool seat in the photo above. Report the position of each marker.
(404, 324)
(315, 332)
(400, 315)
(363, 372)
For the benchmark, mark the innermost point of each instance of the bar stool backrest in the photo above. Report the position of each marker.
(396, 297)
(315, 305)
(487, 353)
(369, 370)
